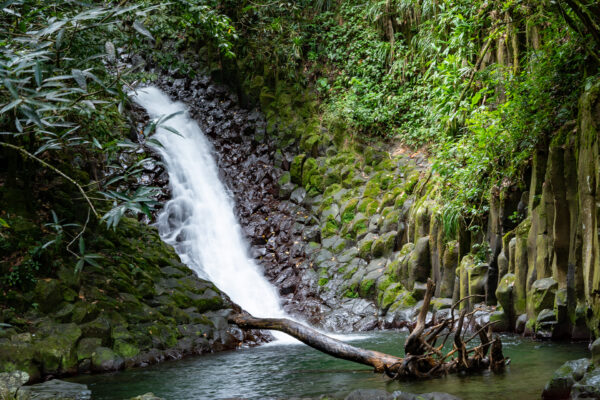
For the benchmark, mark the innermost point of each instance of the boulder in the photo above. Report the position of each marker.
(541, 295)
(588, 387)
(55, 390)
(369, 394)
(563, 379)
(595, 349)
(104, 359)
(419, 262)
(10, 382)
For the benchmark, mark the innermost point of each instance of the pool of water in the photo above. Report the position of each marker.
(296, 370)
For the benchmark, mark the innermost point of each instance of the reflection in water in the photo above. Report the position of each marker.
(295, 370)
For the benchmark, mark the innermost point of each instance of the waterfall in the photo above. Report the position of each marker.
(199, 221)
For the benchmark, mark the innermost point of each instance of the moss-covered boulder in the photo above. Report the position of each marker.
(419, 262)
(56, 352)
(364, 246)
(296, 169)
(563, 379)
(541, 295)
(104, 359)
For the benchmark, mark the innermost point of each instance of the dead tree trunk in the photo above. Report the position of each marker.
(319, 341)
(422, 358)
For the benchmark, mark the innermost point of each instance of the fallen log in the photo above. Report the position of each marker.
(422, 358)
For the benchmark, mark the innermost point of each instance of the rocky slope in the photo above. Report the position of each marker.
(139, 306)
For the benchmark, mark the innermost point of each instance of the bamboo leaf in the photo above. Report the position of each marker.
(138, 26)
(79, 78)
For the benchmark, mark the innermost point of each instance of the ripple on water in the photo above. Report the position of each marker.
(286, 370)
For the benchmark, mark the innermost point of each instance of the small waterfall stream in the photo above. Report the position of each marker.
(199, 221)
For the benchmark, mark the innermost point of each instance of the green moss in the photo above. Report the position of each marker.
(296, 169)
(329, 229)
(372, 189)
(323, 281)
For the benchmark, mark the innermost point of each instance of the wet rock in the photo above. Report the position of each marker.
(563, 379)
(10, 382)
(369, 394)
(104, 359)
(541, 295)
(588, 387)
(595, 349)
(419, 263)
(56, 390)
(147, 396)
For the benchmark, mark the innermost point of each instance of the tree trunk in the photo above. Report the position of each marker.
(422, 360)
(319, 341)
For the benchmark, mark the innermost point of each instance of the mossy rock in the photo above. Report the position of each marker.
(541, 295)
(286, 177)
(125, 349)
(390, 295)
(296, 169)
(104, 359)
(18, 356)
(86, 347)
(372, 189)
(403, 301)
(505, 293)
(329, 228)
(48, 294)
(364, 246)
(56, 352)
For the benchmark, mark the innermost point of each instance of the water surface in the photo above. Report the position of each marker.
(296, 370)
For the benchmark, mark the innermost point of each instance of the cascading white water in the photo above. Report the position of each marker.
(199, 221)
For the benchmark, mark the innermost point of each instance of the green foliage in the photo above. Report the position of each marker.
(479, 84)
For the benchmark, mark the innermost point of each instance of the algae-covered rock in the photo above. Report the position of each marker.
(505, 292)
(55, 390)
(86, 347)
(18, 356)
(48, 294)
(403, 301)
(364, 246)
(56, 351)
(563, 379)
(419, 263)
(500, 321)
(588, 387)
(541, 295)
(104, 359)
(595, 349)
(10, 382)
(296, 169)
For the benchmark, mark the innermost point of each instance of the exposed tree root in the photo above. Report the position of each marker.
(423, 359)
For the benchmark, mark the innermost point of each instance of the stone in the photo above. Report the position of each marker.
(364, 246)
(419, 290)
(10, 382)
(541, 295)
(500, 320)
(505, 294)
(520, 324)
(424, 396)
(147, 396)
(86, 347)
(55, 389)
(595, 349)
(563, 379)
(369, 394)
(419, 262)
(104, 359)
(588, 387)
(298, 195)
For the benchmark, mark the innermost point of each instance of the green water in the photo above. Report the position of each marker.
(295, 370)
